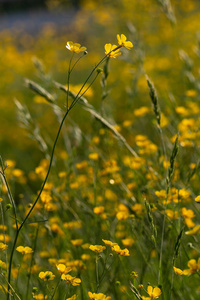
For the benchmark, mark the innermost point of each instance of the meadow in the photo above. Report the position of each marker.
(99, 154)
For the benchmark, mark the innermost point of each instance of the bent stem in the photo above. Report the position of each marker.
(75, 100)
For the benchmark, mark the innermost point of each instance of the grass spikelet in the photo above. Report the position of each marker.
(154, 100)
(151, 221)
(39, 90)
(172, 161)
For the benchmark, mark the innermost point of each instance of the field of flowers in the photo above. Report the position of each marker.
(100, 154)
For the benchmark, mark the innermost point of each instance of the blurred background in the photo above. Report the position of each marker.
(33, 36)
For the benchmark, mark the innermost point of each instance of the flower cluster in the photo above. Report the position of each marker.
(113, 50)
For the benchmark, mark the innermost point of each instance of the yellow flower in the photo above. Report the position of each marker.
(97, 248)
(46, 276)
(2, 264)
(118, 250)
(128, 242)
(99, 296)
(39, 297)
(178, 271)
(3, 246)
(112, 50)
(77, 242)
(193, 267)
(24, 250)
(122, 41)
(72, 280)
(98, 210)
(109, 243)
(154, 293)
(93, 156)
(73, 297)
(63, 269)
(195, 230)
(197, 199)
(75, 47)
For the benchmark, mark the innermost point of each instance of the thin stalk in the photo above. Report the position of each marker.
(48, 171)
(10, 197)
(56, 288)
(68, 78)
(34, 204)
(32, 259)
(97, 271)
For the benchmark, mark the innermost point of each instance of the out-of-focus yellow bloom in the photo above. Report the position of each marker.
(73, 297)
(193, 265)
(46, 276)
(24, 250)
(5, 237)
(77, 242)
(2, 264)
(39, 296)
(99, 296)
(172, 214)
(154, 293)
(73, 224)
(181, 110)
(109, 243)
(139, 112)
(178, 271)
(63, 269)
(122, 41)
(118, 250)
(110, 50)
(93, 156)
(188, 214)
(75, 47)
(128, 242)
(3, 246)
(195, 230)
(98, 210)
(197, 199)
(72, 280)
(191, 93)
(97, 248)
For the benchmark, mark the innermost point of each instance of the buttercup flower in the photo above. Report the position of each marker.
(109, 50)
(154, 293)
(193, 265)
(195, 230)
(46, 276)
(97, 248)
(72, 280)
(73, 297)
(63, 269)
(109, 243)
(122, 41)
(121, 252)
(178, 271)
(39, 297)
(75, 47)
(24, 250)
(3, 246)
(99, 296)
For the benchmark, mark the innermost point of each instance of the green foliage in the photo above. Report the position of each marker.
(101, 201)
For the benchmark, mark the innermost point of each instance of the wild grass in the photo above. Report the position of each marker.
(110, 209)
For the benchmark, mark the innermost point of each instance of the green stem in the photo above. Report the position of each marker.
(32, 259)
(68, 78)
(48, 171)
(97, 271)
(55, 288)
